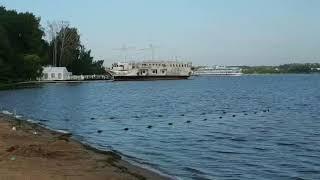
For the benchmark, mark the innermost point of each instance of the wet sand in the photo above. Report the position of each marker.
(34, 152)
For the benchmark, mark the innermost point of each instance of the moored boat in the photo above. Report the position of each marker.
(150, 70)
(218, 71)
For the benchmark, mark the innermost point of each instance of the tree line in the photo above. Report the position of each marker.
(24, 50)
(285, 68)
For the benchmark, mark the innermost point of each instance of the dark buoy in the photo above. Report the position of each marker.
(188, 121)
(149, 127)
(205, 119)
(160, 115)
(126, 129)
(203, 113)
(182, 114)
(99, 131)
(234, 115)
(220, 117)
(264, 110)
(255, 112)
(112, 117)
(170, 124)
(92, 118)
(268, 110)
(245, 114)
(224, 112)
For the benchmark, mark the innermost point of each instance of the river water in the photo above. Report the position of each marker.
(248, 127)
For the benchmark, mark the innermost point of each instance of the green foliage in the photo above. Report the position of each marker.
(260, 70)
(74, 56)
(21, 46)
(23, 51)
(85, 64)
(286, 68)
(67, 48)
(30, 64)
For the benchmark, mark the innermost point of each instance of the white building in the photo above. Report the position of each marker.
(55, 74)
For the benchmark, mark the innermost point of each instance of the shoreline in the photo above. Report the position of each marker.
(30, 150)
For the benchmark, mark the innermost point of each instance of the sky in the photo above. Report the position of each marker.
(205, 32)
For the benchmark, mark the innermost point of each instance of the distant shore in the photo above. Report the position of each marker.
(29, 151)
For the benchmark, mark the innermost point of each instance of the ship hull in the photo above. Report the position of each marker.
(148, 78)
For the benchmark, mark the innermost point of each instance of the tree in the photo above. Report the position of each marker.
(67, 51)
(85, 64)
(20, 36)
(32, 66)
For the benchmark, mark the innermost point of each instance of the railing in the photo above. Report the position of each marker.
(89, 77)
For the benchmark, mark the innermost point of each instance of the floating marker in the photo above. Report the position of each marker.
(188, 121)
(245, 114)
(170, 124)
(99, 131)
(112, 117)
(220, 117)
(203, 113)
(92, 118)
(205, 119)
(182, 114)
(234, 115)
(159, 115)
(149, 126)
(126, 129)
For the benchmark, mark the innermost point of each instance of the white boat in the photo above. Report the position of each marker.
(218, 71)
(150, 70)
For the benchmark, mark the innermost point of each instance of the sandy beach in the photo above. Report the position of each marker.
(29, 151)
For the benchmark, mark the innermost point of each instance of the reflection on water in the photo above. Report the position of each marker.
(249, 127)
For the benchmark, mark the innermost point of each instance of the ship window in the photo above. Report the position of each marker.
(53, 75)
(46, 75)
(163, 71)
(60, 76)
(154, 71)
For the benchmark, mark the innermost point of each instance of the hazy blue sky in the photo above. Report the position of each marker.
(224, 32)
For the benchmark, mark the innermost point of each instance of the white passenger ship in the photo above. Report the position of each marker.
(219, 71)
(150, 70)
